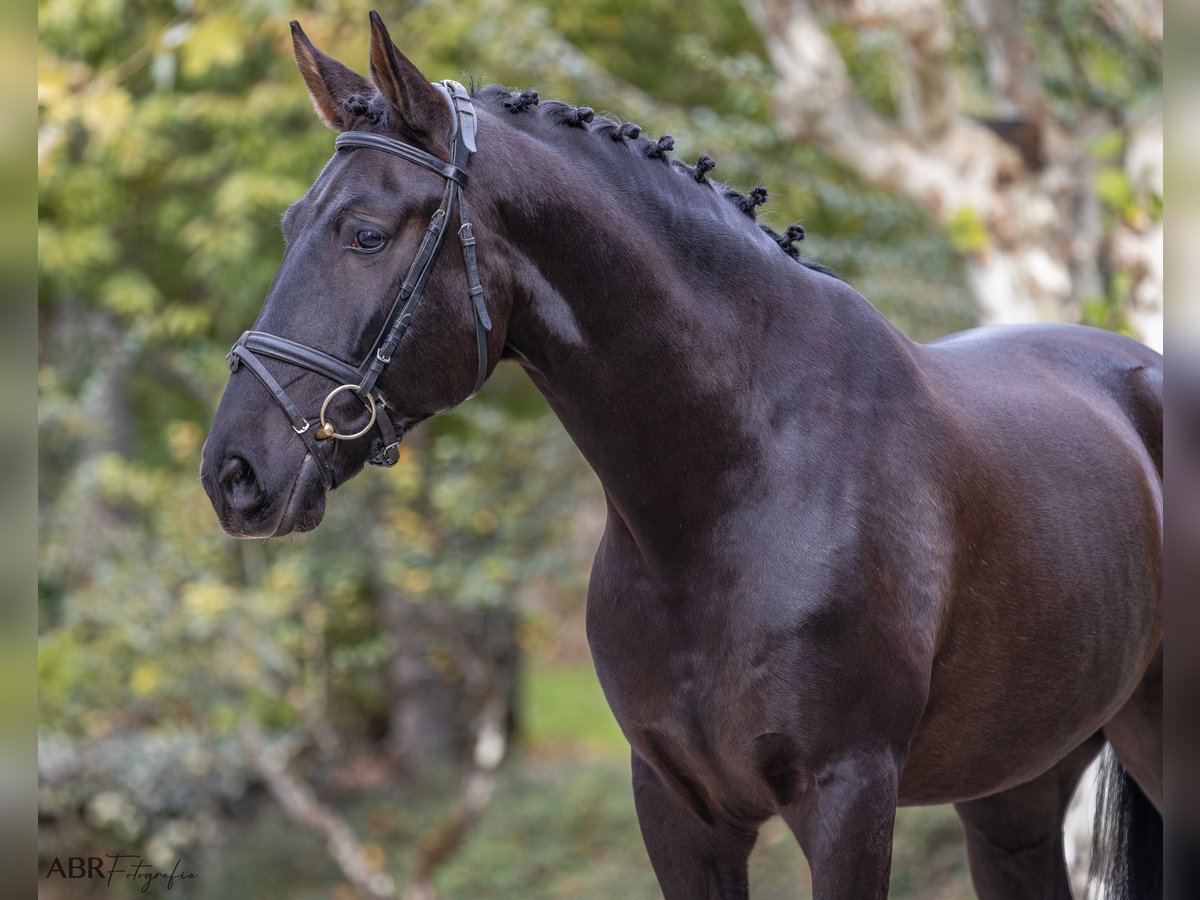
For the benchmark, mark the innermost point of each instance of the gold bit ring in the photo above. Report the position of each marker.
(326, 429)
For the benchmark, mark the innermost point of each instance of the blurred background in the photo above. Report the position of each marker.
(402, 703)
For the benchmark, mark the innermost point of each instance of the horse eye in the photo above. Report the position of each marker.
(368, 239)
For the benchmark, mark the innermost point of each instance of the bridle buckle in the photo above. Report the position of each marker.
(387, 456)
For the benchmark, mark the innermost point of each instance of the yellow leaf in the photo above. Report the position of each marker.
(215, 42)
(207, 599)
(52, 86)
(373, 856)
(183, 439)
(284, 578)
(314, 618)
(146, 677)
(129, 293)
(107, 114)
(418, 581)
(485, 521)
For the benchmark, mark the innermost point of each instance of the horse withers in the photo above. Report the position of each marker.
(842, 571)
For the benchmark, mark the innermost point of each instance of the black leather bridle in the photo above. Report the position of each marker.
(363, 378)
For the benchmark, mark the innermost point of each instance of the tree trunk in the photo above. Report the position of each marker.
(447, 664)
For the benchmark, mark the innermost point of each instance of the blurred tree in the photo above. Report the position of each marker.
(171, 135)
(1030, 129)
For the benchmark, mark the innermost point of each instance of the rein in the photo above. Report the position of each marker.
(363, 379)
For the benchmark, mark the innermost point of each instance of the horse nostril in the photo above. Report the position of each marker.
(240, 486)
(233, 469)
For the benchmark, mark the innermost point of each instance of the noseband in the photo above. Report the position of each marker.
(363, 379)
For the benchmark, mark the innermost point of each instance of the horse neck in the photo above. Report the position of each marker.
(676, 361)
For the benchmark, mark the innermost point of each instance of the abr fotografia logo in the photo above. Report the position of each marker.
(127, 866)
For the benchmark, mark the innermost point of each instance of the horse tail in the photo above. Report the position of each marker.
(1127, 841)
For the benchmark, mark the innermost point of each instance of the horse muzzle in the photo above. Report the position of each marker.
(247, 509)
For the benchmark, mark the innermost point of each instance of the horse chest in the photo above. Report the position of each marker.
(694, 718)
(693, 701)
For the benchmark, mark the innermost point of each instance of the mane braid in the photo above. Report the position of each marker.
(660, 148)
(704, 165)
(372, 110)
(521, 100)
(629, 134)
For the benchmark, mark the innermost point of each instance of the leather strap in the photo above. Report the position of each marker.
(404, 151)
(299, 355)
(411, 290)
(302, 426)
(385, 450)
(483, 322)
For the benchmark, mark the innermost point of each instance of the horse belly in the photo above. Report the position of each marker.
(1055, 613)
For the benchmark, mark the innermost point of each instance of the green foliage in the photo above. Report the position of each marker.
(172, 141)
(1123, 196)
(966, 230)
(151, 612)
(1126, 200)
(1115, 189)
(1088, 59)
(171, 136)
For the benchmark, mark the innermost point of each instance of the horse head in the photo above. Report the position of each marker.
(341, 359)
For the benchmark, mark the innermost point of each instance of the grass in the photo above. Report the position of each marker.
(564, 708)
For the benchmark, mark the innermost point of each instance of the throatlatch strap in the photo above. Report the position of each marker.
(483, 322)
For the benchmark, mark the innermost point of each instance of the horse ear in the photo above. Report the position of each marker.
(418, 103)
(329, 82)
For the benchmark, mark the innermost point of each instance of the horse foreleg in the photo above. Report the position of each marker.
(692, 859)
(1015, 838)
(844, 825)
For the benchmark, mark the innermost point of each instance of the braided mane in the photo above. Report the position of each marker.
(628, 134)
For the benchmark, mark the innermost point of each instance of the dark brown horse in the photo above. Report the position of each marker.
(842, 571)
